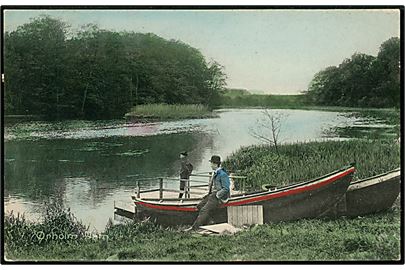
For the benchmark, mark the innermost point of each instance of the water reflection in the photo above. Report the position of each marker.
(42, 164)
(90, 174)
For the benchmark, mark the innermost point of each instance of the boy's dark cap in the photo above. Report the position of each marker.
(215, 159)
(184, 153)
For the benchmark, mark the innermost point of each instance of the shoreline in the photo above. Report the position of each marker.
(211, 114)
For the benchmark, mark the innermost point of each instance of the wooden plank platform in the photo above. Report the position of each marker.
(124, 213)
(124, 210)
(221, 228)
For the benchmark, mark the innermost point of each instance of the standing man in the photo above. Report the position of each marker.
(219, 193)
(185, 171)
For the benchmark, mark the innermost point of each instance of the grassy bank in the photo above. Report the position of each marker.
(169, 112)
(263, 164)
(240, 98)
(375, 237)
(59, 236)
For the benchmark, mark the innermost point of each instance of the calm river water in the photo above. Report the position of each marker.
(90, 164)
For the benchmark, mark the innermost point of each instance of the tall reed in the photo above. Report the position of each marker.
(169, 111)
(304, 161)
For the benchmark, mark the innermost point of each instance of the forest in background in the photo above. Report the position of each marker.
(360, 81)
(96, 73)
(100, 74)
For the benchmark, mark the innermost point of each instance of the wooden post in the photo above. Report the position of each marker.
(138, 190)
(242, 184)
(187, 189)
(232, 184)
(160, 188)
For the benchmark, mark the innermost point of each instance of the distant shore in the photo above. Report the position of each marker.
(163, 112)
(159, 112)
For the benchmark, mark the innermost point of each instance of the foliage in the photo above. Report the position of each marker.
(34, 57)
(232, 98)
(130, 230)
(169, 111)
(97, 73)
(234, 92)
(363, 80)
(59, 225)
(305, 161)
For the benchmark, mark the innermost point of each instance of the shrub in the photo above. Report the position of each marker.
(59, 225)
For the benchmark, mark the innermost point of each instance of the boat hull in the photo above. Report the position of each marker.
(305, 200)
(368, 196)
(310, 204)
(168, 217)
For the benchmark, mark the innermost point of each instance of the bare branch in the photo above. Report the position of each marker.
(269, 128)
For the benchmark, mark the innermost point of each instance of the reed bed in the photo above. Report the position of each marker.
(304, 161)
(169, 111)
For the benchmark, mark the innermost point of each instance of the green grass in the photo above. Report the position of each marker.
(375, 237)
(169, 111)
(304, 161)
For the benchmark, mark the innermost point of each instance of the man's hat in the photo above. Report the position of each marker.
(184, 153)
(215, 159)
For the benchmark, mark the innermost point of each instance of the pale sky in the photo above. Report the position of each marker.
(275, 51)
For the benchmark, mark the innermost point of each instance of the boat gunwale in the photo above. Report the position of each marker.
(378, 176)
(258, 194)
(374, 181)
(293, 185)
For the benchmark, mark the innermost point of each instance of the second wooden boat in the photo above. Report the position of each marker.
(367, 196)
(370, 195)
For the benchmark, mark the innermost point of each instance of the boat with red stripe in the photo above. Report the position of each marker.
(307, 199)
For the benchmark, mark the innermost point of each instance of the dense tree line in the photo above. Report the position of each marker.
(363, 80)
(266, 101)
(96, 73)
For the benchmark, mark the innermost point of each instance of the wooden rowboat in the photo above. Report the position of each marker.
(307, 199)
(368, 196)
